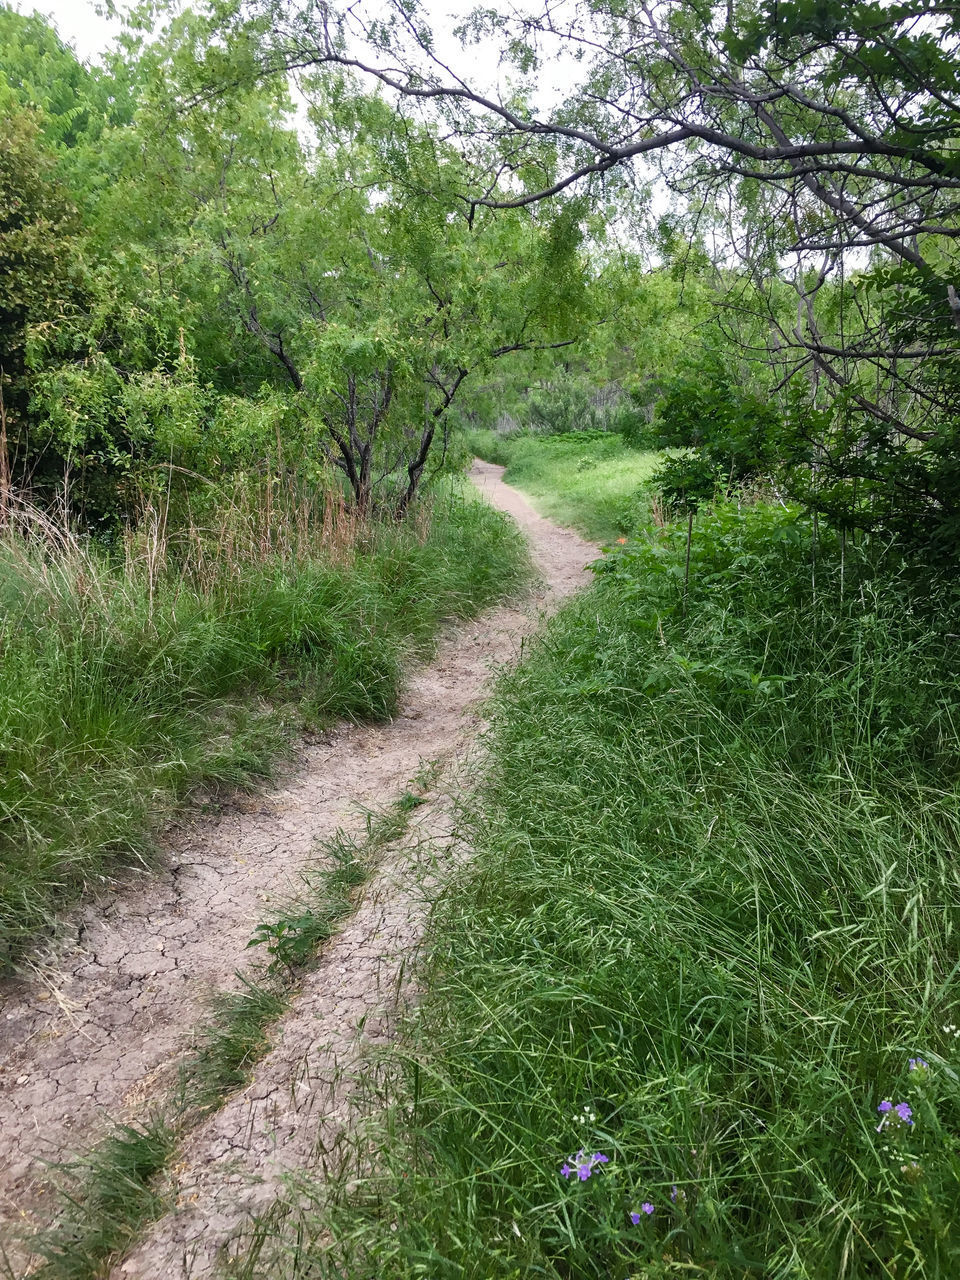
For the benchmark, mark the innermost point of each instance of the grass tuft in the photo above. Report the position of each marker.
(109, 1196)
(233, 1038)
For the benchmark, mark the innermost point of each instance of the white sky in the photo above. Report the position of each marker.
(77, 22)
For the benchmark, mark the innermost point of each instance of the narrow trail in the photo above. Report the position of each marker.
(99, 1032)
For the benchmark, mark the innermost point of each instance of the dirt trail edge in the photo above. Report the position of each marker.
(99, 1032)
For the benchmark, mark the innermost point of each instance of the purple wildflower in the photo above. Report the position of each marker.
(583, 1165)
(634, 1218)
(918, 1064)
(902, 1114)
(674, 1193)
(647, 1208)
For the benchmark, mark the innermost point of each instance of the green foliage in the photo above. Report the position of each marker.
(735, 429)
(75, 103)
(864, 479)
(710, 918)
(37, 251)
(686, 481)
(125, 685)
(331, 298)
(568, 405)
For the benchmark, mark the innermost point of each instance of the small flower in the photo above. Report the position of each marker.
(918, 1064)
(901, 1114)
(634, 1218)
(646, 1208)
(582, 1165)
(621, 542)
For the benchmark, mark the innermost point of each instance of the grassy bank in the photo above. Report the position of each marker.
(181, 662)
(710, 934)
(587, 480)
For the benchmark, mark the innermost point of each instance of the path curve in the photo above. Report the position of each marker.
(101, 1032)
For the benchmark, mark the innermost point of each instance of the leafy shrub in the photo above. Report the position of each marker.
(736, 431)
(687, 481)
(568, 406)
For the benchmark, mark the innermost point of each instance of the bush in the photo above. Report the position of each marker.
(737, 432)
(569, 407)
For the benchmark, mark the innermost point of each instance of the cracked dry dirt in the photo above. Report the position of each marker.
(98, 1033)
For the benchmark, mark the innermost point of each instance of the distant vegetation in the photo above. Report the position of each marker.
(590, 480)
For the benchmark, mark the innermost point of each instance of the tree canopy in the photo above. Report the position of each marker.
(266, 228)
(816, 139)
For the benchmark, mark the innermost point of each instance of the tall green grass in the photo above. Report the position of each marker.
(711, 918)
(128, 680)
(589, 480)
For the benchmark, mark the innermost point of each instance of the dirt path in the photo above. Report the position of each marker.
(100, 1033)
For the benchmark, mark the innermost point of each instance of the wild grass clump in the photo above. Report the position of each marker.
(118, 1196)
(589, 480)
(129, 678)
(710, 934)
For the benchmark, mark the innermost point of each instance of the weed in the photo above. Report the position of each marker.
(109, 1195)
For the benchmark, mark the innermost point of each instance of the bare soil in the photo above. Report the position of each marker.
(98, 1030)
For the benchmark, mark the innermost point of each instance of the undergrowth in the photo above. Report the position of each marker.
(709, 934)
(588, 480)
(128, 680)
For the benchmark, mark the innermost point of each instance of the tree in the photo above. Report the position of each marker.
(38, 272)
(247, 288)
(356, 266)
(820, 129)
